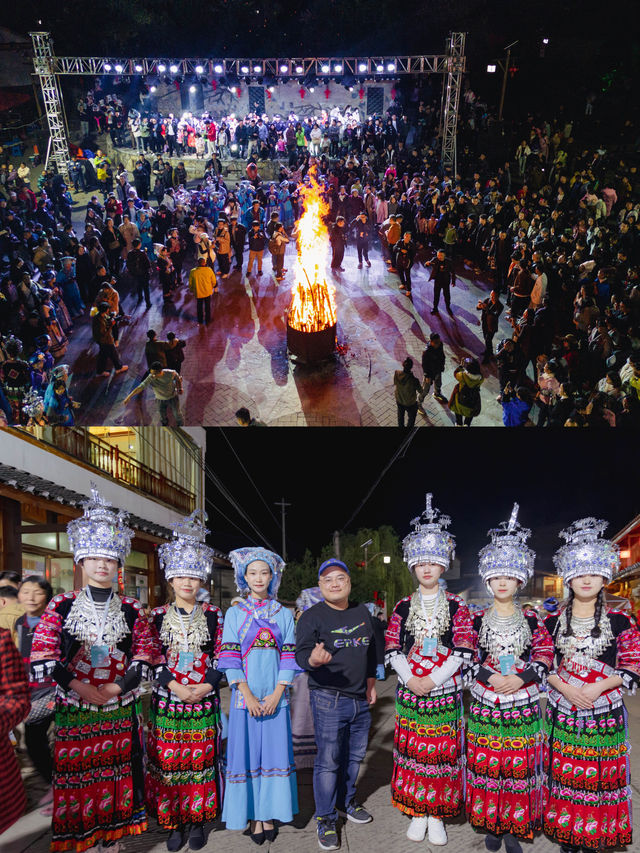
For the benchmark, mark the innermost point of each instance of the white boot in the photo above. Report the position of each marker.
(437, 832)
(417, 829)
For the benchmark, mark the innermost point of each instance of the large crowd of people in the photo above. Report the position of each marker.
(552, 234)
(512, 771)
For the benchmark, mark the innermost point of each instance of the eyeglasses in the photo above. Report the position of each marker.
(341, 579)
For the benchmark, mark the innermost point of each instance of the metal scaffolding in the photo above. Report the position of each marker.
(43, 63)
(451, 99)
(49, 67)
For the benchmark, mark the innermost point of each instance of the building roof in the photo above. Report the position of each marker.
(23, 481)
(628, 528)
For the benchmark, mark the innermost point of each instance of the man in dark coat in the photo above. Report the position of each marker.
(432, 366)
(443, 277)
(238, 235)
(491, 309)
(338, 237)
(139, 267)
(360, 227)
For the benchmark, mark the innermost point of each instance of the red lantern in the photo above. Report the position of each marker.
(177, 85)
(302, 92)
(239, 92)
(361, 92)
(214, 85)
(393, 93)
(327, 92)
(268, 95)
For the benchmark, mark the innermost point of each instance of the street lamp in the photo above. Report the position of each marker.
(505, 71)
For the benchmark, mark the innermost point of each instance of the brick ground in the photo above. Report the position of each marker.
(240, 359)
(385, 833)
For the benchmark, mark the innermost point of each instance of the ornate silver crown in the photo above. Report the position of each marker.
(508, 553)
(430, 541)
(187, 555)
(33, 405)
(100, 531)
(586, 552)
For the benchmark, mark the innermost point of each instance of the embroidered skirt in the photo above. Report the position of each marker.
(97, 777)
(182, 784)
(506, 751)
(427, 754)
(589, 794)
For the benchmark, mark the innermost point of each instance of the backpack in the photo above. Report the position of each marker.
(273, 245)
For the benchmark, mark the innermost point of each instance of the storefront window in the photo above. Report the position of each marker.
(61, 574)
(33, 564)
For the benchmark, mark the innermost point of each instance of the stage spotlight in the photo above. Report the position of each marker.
(379, 68)
(299, 69)
(337, 68)
(139, 68)
(244, 69)
(152, 89)
(362, 66)
(325, 69)
(257, 69)
(107, 66)
(199, 69)
(119, 68)
(284, 68)
(391, 66)
(162, 67)
(173, 69)
(217, 69)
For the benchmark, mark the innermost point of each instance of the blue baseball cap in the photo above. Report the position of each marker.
(333, 561)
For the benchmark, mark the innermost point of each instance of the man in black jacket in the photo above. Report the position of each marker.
(238, 235)
(443, 277)
(360, 226)
(335, 644)
(491, 309)
(338, 237)
(139, 267)
(432, 366)
(405, 255)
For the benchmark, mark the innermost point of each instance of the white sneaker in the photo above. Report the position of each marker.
(417, 829)
(437, 832)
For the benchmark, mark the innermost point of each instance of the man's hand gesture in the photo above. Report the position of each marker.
(319, 656)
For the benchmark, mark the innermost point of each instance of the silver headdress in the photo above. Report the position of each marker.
(187, 555)
(242, 558)
(430, 541)
(33, 405)
(586, 553)
(507, 555)
(100, 531)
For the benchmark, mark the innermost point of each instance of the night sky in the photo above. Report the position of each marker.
(475, 476)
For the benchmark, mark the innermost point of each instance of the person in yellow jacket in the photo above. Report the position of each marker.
(202, 283)
(10, 609)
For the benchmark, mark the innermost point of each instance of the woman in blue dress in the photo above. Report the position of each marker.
(258, 655)
(144, 227)
(286, 207)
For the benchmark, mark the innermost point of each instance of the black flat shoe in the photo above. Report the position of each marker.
(175, 839)
(258, 837)
(196, 837)
(492, 842)
(271, 834)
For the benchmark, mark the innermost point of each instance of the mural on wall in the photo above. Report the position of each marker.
(284, 100)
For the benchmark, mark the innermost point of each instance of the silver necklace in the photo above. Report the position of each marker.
(581, 643)
(172, 633)
(81, 620)
(504, 635)
(421, 627)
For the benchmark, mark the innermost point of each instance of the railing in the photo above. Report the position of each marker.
(80, 444)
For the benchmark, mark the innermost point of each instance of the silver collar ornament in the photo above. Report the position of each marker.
(586, 552)
(187, 555)
(507, 555)
(430, 541)
(100, 531)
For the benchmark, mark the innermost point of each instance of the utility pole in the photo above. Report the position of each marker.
(282, 504)
(365, 545)
(505, 71)
(336, 543)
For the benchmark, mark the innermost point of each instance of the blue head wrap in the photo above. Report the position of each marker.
(242, 558)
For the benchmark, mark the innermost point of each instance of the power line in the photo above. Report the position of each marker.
(248, 475)
(402, 449)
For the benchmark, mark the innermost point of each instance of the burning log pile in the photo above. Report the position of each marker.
(311, 322)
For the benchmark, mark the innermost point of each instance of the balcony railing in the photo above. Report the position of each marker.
(81, 445)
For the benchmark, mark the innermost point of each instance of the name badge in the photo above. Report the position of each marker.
(185, 661)
(99, 656)
(506, 664)
(430, 647)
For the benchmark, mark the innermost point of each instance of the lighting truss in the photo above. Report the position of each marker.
(49, 67)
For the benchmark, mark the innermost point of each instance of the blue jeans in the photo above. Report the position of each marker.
(342, 727)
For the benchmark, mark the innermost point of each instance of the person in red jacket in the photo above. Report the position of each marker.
(14, 707)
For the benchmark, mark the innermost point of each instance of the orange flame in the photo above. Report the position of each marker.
(313, 306)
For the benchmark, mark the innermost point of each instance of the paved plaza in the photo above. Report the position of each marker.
(385, 833)
(240, 358)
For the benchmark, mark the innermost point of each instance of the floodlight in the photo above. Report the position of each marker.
(162, 67)
(217, 69)
(199, 69)
(173, 69)
(491, 69)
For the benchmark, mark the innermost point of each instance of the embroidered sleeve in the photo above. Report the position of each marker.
(288, 666)
(465, 639)
(393, 640)
(473, 670)
(541, 660)
(217, 640)
(628, 656)
(14, 687)
(230, 659)
(47, 642)
(146, 645)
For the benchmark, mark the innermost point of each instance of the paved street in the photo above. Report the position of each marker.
(240, 359)
(387, 832)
